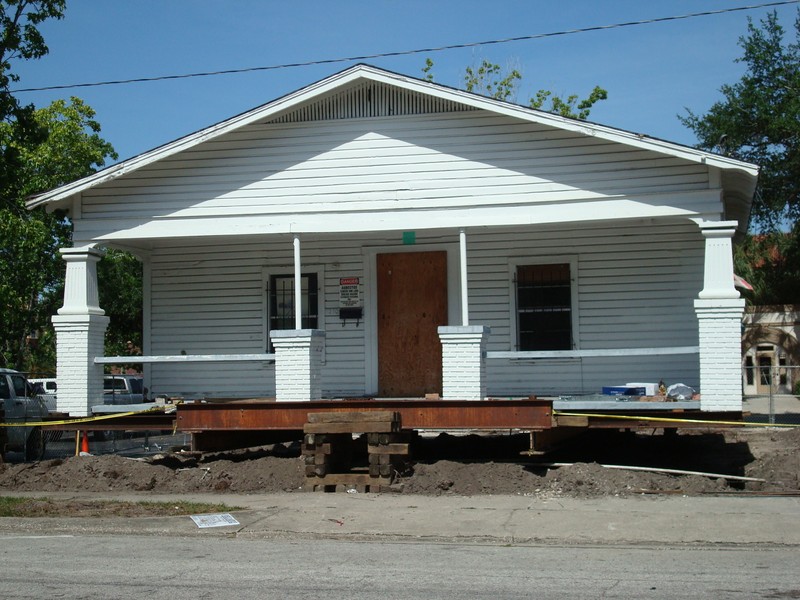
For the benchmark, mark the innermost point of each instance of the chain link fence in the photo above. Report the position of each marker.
(772, 393)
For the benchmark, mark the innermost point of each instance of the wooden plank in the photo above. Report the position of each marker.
(353, 417)
(368, 427)
(389, 449)
(571, 421)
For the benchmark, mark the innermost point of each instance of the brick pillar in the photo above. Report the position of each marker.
(80, 327)
(464, 361)
(719, 312)
(79, 338)
(720, 328)
(298, 364)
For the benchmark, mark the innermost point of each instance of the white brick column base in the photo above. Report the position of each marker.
(720, 329)
(79, 339)
(464, 361)
(298, 364)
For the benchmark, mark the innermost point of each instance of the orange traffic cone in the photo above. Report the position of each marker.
(85, 443)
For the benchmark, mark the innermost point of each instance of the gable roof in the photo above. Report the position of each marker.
(743, 175)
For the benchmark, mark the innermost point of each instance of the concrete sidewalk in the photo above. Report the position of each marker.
(486, 519)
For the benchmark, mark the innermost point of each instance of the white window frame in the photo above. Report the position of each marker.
(288, 270)
(518, 261)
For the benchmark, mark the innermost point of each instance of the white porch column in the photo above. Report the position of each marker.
(298, 364)
(464, 347)
(80, 327)
(464, 361)
(719, 312)
(298, 352)
(462, 242)
(298, 285)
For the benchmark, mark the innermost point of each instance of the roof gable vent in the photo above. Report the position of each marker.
(370, 99)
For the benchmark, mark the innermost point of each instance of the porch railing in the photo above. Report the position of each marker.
(118, 360)
(528, 355)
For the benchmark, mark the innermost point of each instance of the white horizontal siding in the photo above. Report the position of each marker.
(209, 299)
(429, 161)
(636, 285)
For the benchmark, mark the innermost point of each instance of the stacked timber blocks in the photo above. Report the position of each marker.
(329, 450)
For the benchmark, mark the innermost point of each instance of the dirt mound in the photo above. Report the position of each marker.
(110, 473)
(463, 465)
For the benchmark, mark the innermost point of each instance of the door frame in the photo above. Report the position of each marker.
(370, 254)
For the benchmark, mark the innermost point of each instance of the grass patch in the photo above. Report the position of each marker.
(11, 506)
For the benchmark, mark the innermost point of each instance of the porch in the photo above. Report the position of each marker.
(341, 354)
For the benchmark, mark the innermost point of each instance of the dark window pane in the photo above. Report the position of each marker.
(282, 302)
(544, 307)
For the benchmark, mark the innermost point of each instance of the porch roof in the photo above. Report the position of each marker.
(602, 210)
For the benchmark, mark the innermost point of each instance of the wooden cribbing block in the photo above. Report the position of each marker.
(316, 459)
(386, 471)
(383, 459)
(354, 417)
(352, 427)
(401, 449)
(382, 439)
(326, 448)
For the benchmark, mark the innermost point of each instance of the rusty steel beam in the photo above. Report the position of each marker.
(525, 414)
(142, 422)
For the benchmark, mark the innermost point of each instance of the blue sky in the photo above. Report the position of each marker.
(652, 72)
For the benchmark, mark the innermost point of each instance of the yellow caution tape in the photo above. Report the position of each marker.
(81, 419)
(671, 420)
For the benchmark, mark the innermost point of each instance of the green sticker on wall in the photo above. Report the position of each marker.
(409, 237)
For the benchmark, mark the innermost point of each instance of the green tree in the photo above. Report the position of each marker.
(119, 276)
(19, 40)
(23, 278)
(491, 80)
(758, 120)
(770, 262)
(31, 269)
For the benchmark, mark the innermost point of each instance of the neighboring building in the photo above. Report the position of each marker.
(771, 350)
(440, 241)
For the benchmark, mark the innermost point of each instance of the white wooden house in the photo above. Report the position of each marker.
(440, 242)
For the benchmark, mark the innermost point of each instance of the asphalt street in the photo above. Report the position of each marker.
(178, 568)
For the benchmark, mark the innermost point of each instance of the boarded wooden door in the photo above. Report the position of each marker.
(412, 303)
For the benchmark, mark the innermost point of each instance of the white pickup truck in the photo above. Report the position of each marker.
(124, 389)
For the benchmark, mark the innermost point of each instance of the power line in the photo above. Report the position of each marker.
(328, 61)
